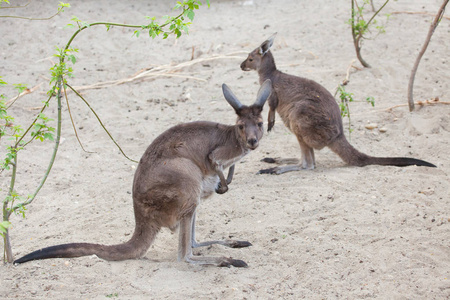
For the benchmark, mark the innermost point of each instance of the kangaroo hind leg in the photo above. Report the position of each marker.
(307, 161)
(226, 243)
(185, 248)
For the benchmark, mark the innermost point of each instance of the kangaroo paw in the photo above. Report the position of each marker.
(221, 189)
(228, 262)
(268, 171)
(240, 244)
(269, 160)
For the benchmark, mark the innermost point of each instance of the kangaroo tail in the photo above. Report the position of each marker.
(136, 247)
(355, 158)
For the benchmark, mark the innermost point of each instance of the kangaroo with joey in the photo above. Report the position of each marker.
(312, 114)
(181, 167)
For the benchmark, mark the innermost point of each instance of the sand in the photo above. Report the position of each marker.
(334, 232)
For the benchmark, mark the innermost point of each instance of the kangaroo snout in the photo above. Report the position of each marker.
(252, 143)
(244, 67)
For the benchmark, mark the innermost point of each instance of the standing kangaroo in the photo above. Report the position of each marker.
(182, 166)
(312, 114)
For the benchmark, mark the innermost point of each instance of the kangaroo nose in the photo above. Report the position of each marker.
(252, 142)
(243, 65)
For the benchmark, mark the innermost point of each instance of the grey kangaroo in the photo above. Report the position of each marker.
(312, 114)
(181, 167)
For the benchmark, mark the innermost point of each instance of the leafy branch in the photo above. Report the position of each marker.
(360, 27)
(61, 7)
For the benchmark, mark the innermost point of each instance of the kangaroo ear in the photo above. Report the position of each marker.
(265, 46)
(231, 98)
(263, 94)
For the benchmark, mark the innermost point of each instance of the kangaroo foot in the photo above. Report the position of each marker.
(238, 244)
(279, 160)
(280, 170)
(228, 262)
(226, 243)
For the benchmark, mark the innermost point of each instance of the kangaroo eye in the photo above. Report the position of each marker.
(250, 59)
(241, 127)
(260, 124)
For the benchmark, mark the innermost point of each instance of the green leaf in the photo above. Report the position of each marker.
(136, 33)
(190, 14)
(3, 226)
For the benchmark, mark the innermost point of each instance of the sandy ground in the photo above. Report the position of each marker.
(334, 232)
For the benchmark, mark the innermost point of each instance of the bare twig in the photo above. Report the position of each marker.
(25, 92)
(71, 119)
(60, 10)
(347, 77)
(422, 52)
(18, 6)
(416, 13)
(434, 101)
(163, 70)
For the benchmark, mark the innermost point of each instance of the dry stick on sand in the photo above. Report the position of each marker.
(164, 70)
(416, 13)
(25, 92)
(424, 48)
(434, 101)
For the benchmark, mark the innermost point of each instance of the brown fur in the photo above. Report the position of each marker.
(311, 113)
(181, 167)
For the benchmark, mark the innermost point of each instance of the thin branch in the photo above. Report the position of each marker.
(421, 103)
(417, 13)
(433, 27)
(101, 124)
(32, 124)
(55, 149)
(71, 119)
(376, 13)
(116, 24)
(33, 19)
(11, 101)
(163, 70)
(18, 6)
(357, 37)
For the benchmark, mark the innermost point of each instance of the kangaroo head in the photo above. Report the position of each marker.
(253, 61)
(249, 124)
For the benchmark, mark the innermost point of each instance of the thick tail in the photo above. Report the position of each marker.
(136, 247)
(355, 158)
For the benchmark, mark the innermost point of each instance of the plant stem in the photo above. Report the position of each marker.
(33, 19)
(55, 149)
(7, 213)
(32, 123)
(113, 24)
(433, 27)
(19, 6)
(376, 13)
(357, 38)
(71, 120)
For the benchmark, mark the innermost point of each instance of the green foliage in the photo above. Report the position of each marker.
(361, 29)
(177, 25)
(360, 26)
(3, 1)
(112, 295)
(344, 105)
(3, 226)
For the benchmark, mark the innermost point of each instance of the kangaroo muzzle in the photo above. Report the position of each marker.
(252, 143)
